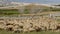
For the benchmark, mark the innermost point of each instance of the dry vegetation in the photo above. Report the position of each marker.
(29, 24)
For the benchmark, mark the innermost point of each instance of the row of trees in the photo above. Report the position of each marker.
(8, 11)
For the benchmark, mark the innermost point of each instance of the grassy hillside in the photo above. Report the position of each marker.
(29, 9)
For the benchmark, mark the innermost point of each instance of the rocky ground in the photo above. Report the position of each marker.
(28, 24)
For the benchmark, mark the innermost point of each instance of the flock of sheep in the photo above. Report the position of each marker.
(29, 24)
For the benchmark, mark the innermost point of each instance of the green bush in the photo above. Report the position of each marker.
(26, 11)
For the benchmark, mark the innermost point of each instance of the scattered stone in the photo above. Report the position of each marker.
(29, 24)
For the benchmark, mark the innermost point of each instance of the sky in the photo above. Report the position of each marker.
(39, 1)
